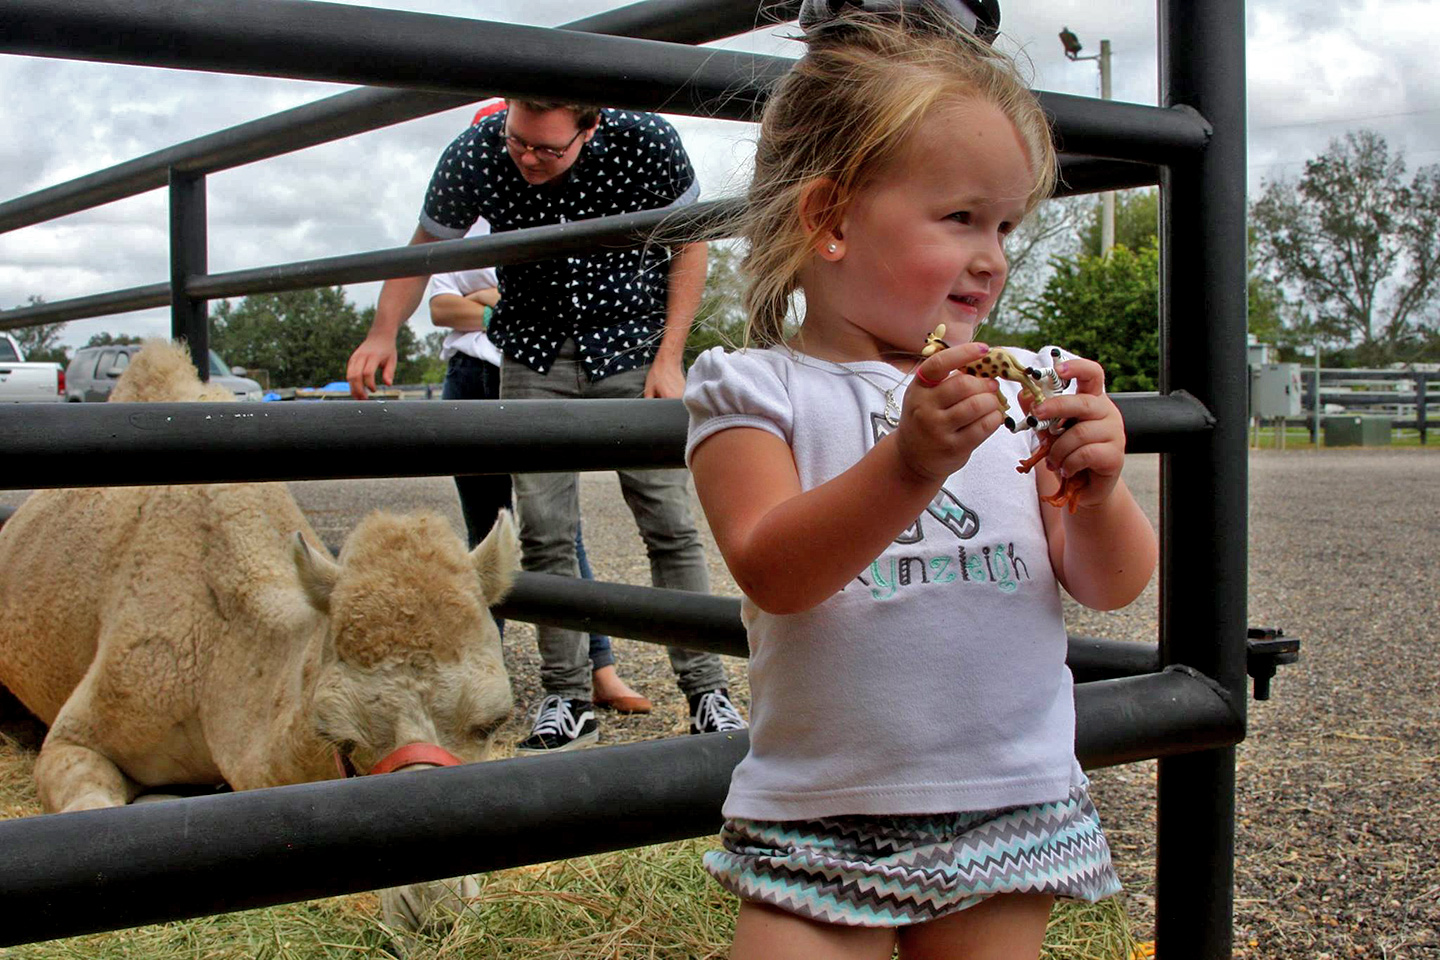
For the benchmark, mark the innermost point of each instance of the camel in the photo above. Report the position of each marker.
(203, 634)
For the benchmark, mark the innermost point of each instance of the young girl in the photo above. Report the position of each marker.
(911, 779)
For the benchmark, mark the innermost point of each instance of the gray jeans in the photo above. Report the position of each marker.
(549, 509)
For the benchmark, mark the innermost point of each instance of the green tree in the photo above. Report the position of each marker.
(1137, 221)
(720, 319)
(1270, 313)
(1107, 309)
(1050, 231)
(41, 344)
(105, 339)
(1428, 350)
(1137, 225)
(303, 337)
(1359, 247)
(431, 369)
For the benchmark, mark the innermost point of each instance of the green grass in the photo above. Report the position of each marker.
(651, 902)
(1298, 438)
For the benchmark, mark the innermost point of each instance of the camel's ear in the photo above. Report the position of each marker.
(497, 558)
(318, 572)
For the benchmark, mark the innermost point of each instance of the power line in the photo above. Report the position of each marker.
(1368, 117)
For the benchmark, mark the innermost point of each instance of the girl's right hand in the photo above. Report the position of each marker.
(941, 425)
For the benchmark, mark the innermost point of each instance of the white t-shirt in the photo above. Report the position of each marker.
(462, 282)
(935, 681)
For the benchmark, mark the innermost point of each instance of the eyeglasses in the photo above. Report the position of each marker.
(544, 153)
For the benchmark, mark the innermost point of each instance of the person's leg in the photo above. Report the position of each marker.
(1007, 926)
(763, 932)
(660, 503)
(549, 510)
(600, 654)
(609, 689)
(482, 497)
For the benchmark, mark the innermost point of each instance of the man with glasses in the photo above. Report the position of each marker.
(609, 323)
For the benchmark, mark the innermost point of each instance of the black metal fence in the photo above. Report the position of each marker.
(1361, 391)
(1182, 700)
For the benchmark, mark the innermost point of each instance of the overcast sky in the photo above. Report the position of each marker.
(1317, 69)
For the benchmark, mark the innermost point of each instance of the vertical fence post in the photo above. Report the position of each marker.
(1312, 394)
(189, 317)
(1422, 381)
(1203, 485)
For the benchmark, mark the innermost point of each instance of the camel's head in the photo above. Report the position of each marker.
(412, 655)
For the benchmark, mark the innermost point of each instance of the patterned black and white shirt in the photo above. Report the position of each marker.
(611, 302)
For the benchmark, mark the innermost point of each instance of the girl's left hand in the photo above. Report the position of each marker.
(1095, 440)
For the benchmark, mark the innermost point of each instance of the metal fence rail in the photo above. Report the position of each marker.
(148, 443)
(137, 865)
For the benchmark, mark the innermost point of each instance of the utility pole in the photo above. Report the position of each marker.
(1107, 199)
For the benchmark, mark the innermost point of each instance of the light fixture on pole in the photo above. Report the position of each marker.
(1073, 46)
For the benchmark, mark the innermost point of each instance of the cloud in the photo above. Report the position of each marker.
(1319, 70)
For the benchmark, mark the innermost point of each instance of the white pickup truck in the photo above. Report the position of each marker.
(22, 382)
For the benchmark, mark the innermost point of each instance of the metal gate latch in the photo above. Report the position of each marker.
(1265, 649)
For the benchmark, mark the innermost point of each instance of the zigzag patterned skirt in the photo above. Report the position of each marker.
(893, 871)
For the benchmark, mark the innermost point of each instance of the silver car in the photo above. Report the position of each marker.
(93, 372)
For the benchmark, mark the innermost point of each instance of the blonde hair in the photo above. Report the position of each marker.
(845, 112)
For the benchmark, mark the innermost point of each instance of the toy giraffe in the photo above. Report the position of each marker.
(1039, 385)
(1001, 364)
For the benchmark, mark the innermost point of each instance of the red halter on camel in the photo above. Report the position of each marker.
(404, 756)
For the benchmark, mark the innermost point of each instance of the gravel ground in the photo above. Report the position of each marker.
(1339, 780)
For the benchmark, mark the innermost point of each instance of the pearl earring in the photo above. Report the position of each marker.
(831, 248)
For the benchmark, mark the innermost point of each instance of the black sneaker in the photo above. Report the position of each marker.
(561, 724)
(712, 712)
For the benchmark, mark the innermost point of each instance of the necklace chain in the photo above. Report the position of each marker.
(892, 409)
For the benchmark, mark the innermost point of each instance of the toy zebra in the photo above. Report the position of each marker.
(1040, 383)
